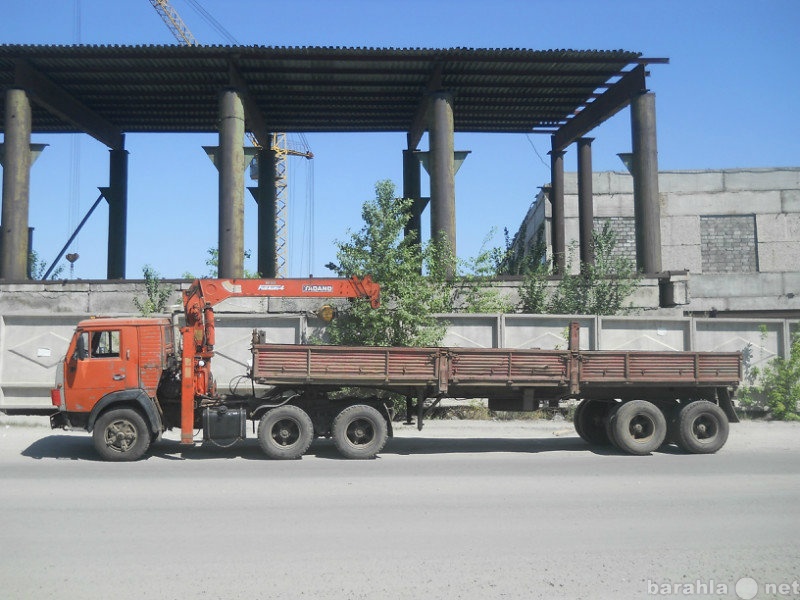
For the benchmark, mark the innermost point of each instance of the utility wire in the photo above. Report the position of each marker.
(208, 18)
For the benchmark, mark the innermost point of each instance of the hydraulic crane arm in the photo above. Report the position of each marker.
(198, 334)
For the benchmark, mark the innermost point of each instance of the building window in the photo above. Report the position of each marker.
(728, 244)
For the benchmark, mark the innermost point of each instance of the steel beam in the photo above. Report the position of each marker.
(442, 170)
(117, 197)
(230, 163)
(16, 186)
(253, 115)
(557, 225)
(58, 101)
(613, 100)
(646, 207)
(267, 199)
(585, 202)
(411, 190)
(421, 115)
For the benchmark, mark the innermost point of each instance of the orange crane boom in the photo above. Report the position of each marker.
(198, 334)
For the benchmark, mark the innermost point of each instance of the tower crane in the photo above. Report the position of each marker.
(280, 146)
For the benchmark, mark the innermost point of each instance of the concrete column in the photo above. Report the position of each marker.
(267, 211)
(16, 186)
(442, 169)
(646, 207)
(411, 189)
(231, 185)
(117, 213)
(585, 202)
(557, 229)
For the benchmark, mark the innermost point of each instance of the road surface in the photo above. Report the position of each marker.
(478, 510)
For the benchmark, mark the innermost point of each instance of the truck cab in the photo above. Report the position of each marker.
(113, 363)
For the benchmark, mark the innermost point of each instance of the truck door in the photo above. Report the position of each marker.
(99, 363)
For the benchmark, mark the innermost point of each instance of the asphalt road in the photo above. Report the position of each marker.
(462, 510)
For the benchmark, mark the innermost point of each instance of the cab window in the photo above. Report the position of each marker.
(105, 344)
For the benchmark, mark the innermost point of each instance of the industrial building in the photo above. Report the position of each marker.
(735, 233)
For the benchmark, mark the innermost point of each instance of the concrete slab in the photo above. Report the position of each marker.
(780, 227)
(762, 179)
(776, 257)
(690, 182)
(685, 257)
(730, 203)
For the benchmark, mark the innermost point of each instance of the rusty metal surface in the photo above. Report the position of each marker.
(674, 368)
(480, 369)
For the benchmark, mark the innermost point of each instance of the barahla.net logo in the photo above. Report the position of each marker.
(745, 588)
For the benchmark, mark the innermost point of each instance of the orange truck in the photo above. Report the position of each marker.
(127, 380)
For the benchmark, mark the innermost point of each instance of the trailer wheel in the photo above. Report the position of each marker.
(638, 427)
(121, 434)
(359, 432)
(285, 432)
(702, 427)
(589, 421)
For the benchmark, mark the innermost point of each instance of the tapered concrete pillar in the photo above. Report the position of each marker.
(646, 208)
(411, 189)
(117, 196)
(230, 163)
(585, 202)
(267, 199)
(16, 186)
(557, 225)
(442, 170)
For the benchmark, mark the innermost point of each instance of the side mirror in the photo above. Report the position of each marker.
(80, 348)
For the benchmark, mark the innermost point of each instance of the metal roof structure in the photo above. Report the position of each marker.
(110, 90)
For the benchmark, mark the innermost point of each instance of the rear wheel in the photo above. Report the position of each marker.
(638, 427)
(285, 432)
(121, 434)
(590, 421)
(702, 427)
(359, 432)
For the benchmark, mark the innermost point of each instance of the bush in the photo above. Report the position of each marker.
(776, 388)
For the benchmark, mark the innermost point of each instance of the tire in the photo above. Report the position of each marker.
(121, 435)
(576, 418)
(638, 427)
(608, 424)
(285, 433)
(590, 421)
(702, 427)
(359, 432)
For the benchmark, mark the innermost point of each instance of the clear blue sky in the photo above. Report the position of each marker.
(729, 98)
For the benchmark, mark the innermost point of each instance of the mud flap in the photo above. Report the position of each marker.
(726, 404)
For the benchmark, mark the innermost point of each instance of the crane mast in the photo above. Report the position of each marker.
(181, 31)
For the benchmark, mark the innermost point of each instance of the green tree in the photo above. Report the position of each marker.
(776, 388)
(409, 299)
(158, 293)
(601, 288)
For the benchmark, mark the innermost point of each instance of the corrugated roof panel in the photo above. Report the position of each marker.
(175, 88)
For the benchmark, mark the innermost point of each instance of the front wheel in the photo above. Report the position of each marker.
(121, 435)
(285, 432)
(359, 432)
(702, 427)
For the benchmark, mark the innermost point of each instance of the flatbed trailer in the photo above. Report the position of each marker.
(635, 400)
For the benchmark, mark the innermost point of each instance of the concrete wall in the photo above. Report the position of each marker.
(720, 278)
(32, 343)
